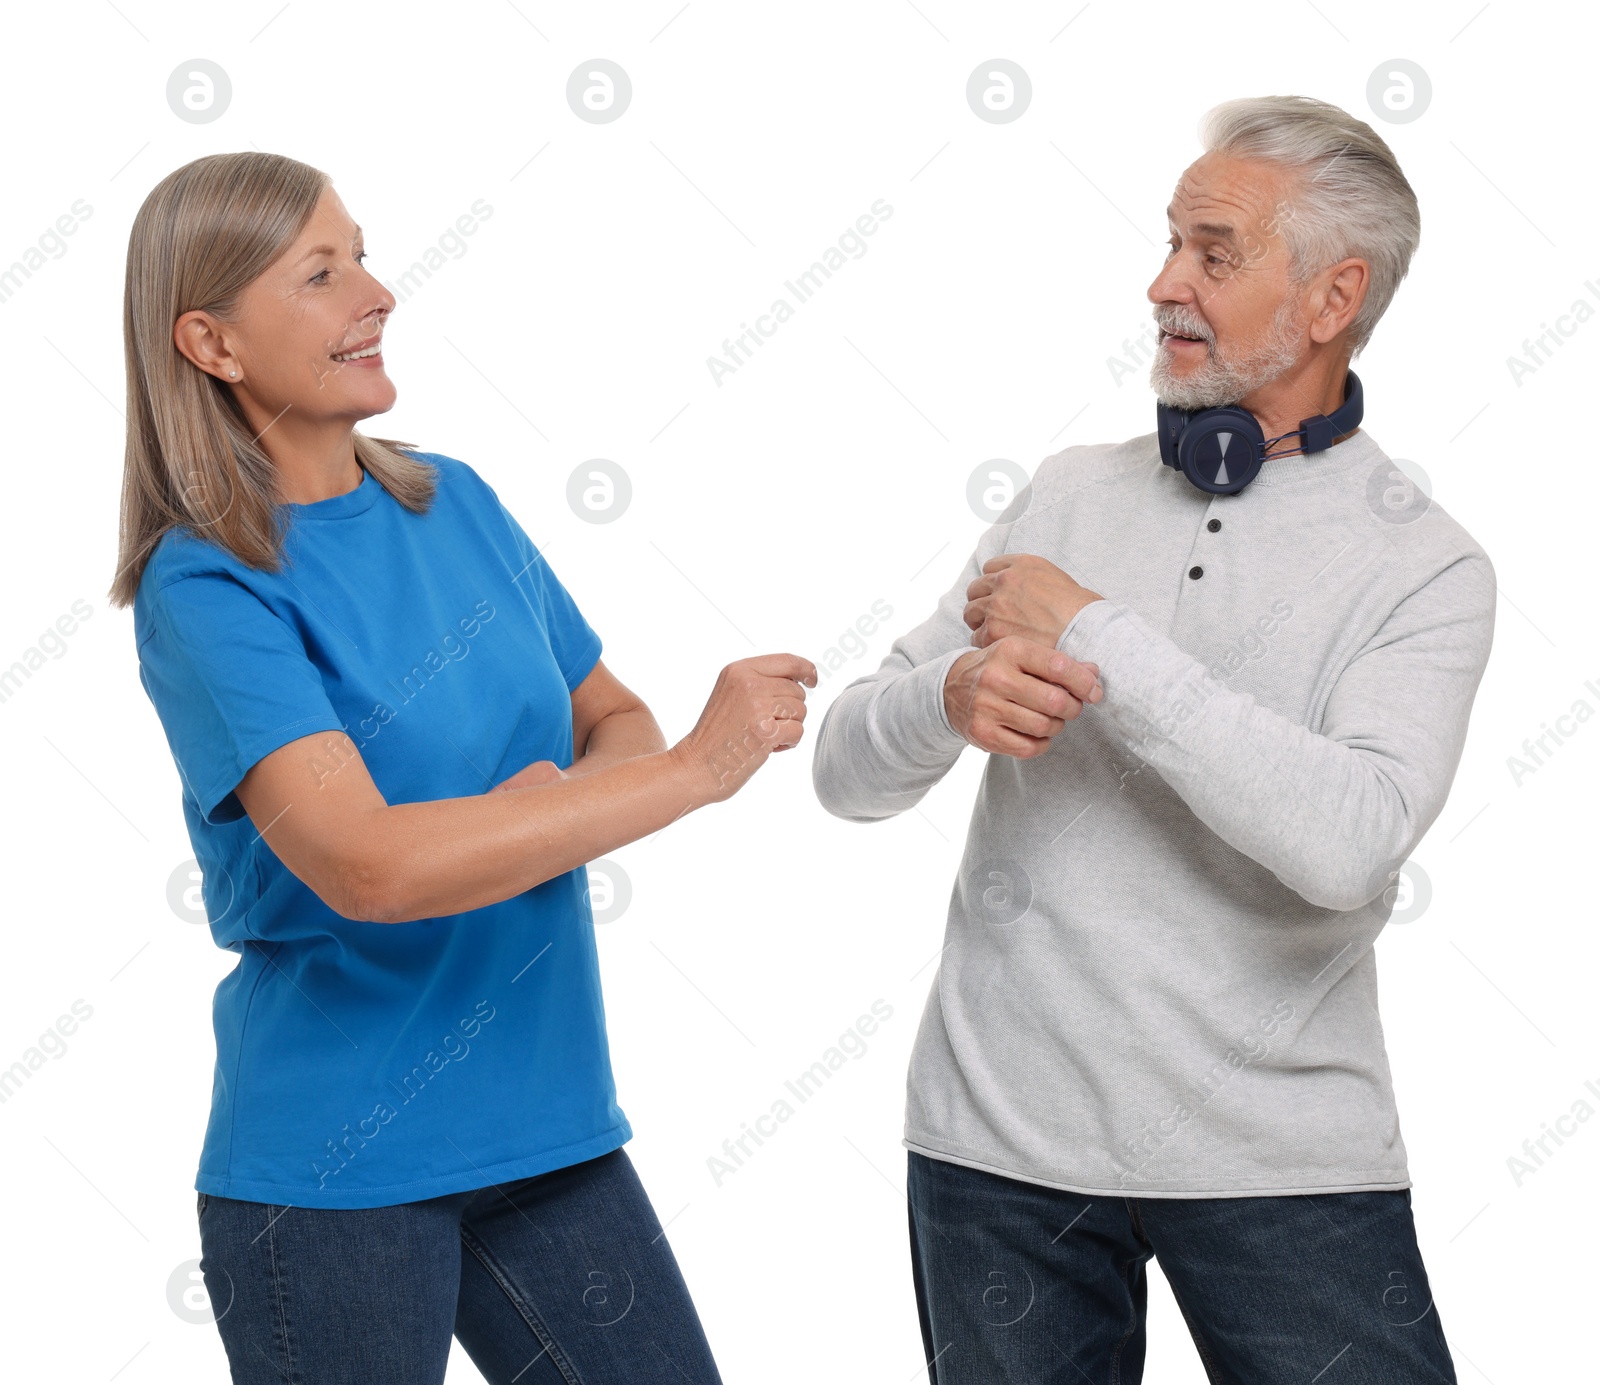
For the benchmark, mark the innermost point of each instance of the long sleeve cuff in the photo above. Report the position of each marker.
(1082, 629)
(909, 732)
(1156, 683)
(885, 743)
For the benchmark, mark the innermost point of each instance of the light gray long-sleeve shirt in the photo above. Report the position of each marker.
(1158, 976)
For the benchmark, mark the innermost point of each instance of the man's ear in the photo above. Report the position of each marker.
(1340, 296)
(198, 336)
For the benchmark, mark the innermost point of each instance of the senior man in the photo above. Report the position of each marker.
(1154, 1026)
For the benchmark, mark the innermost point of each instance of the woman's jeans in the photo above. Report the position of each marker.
(1019, 1284)
(553, 1280)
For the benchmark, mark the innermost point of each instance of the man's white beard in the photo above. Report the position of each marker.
(1226, 381)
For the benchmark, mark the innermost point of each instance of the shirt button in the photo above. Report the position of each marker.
(1213, 525)
(1196, 572)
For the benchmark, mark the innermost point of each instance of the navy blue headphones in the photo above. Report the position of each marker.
(1220, 450)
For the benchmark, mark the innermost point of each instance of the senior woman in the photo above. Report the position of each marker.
(414, 1129)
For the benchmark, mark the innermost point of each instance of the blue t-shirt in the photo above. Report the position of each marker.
(364, 1064)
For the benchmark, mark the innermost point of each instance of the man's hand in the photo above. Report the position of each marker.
(1011, 697)
(1023, 594)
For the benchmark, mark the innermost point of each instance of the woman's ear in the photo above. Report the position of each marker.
(198, 336)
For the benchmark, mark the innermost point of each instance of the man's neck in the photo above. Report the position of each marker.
(1283, 405)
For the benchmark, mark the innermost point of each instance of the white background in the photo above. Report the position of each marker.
(769, 513)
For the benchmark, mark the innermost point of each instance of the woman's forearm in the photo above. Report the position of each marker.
(620, 736)
(447, 856)
(391, 863)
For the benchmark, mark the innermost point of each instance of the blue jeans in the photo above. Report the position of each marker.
(558, 1279)
(1025, 1285)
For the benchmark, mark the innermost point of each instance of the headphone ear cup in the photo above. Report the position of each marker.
(1221, 450)
(1170, 423)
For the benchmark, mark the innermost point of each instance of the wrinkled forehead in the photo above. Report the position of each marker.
(1225, 196)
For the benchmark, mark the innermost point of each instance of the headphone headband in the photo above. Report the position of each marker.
(1321, 430)
(1221, 450)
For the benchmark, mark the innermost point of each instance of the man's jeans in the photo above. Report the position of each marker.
(558, 1279)
(1019, 1284)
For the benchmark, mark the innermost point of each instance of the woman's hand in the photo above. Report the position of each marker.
(757, 706)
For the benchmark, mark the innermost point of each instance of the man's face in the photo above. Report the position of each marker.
(1231, 319)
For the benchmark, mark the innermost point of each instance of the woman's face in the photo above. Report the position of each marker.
(296, 327)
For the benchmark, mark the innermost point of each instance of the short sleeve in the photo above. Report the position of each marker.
(230, 681)
(573, 640)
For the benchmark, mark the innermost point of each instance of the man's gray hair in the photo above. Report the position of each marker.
(1351, 199)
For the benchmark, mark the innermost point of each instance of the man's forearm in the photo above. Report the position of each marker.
(1326, 812)
(885, 742)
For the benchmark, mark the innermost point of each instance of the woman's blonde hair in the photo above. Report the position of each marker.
(205, 232)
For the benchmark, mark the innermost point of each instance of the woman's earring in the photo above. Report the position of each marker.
(232, 374)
